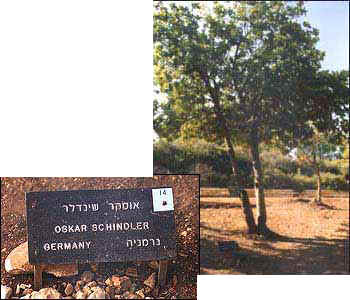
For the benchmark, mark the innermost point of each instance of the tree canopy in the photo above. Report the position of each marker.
(238, 68)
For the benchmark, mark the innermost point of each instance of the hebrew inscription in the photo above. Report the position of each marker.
(100, 226)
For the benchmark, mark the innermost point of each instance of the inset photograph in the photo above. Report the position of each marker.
(249, 95)
(100, 238)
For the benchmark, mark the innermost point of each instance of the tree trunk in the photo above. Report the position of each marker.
(243, 195)
(317, 198)
(318, 191)
(258, 186)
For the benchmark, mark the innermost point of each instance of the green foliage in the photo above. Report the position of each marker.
(212, 162)
(233, 69)
(180, 157)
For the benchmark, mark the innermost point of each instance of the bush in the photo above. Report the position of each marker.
(214, 165)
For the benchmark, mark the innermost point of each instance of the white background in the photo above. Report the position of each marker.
(76, 100)
(76, 88)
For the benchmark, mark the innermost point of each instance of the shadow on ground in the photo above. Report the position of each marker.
(308, 256)
(220, 205)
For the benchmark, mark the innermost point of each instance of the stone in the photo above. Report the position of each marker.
(109, 282)
(147, 290)
(151, 281)
(125, 283)
(87, 276)
(6, 292)
(79, 285)
(91, 284)
(27, 291)
(153, 264)
(110, 290)
(34, 295)
(117, 290)
(116, 280)
(18, 289)
(17, 263)
(69, 289)
(133, 296)
(99, 293)
(80, 295)
(62, 270)
(24, 286)
(87, 291)
(132, 272)
(49, 293)
(141, 294)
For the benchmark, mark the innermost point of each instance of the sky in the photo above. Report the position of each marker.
(331, 18)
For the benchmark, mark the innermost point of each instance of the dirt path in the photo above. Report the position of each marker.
(313, 240)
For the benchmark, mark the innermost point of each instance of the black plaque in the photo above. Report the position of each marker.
(100, 225)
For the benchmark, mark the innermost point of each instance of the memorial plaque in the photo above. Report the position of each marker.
(100, 225)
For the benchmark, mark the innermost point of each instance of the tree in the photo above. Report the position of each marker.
(234, 72)
(329, 119)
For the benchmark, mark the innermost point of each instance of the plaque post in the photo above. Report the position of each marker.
(38, 277)
(162, 272)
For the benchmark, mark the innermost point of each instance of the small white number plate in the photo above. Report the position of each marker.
(163, 199)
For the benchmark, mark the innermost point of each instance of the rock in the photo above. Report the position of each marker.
(110, 290)
(147, 290)
(25, 286)
(80, 295)
(87, 276)
(27, 291)
(69, 289)
(151, 281)
(6, 292)
(117, 290)
(48, 293)
(18, 289)
(132, 272)
(153, 265)
(17, 263)
(133, 296)
(92, 284)
(87, 291)
(79, 285)
(125, 283)
(141, 294)
(116, 280)
(99, 293)
(62, 270)
(34, 295)
(109, 282)
(94, 288)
